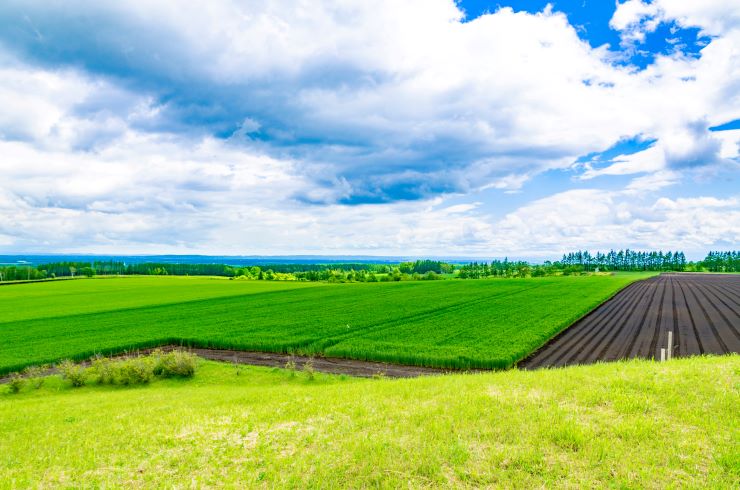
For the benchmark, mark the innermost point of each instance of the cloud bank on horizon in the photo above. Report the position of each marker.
(369, 127)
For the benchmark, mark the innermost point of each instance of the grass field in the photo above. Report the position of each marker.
(461, 324)
(636, 424)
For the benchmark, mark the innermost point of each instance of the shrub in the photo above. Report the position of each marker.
(16, 382)
(35, 374)
(137, 370)
(75, 373)
(105, 369)
(309, 369)
(177, 363)
(156, 356)
(290, 366)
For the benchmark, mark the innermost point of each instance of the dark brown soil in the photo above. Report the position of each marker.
(365, 369)
(362, 369)
(702, 311)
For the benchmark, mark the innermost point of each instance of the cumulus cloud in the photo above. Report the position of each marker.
(635, 18)
(283, 126)
(600, 220)
(391, 100)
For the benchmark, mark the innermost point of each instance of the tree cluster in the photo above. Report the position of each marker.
(721, 261)
(424, 266)
(626, 260)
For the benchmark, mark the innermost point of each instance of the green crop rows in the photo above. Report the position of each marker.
(455, 324)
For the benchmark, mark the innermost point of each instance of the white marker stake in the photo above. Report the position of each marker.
(670, 345)
(662, 354)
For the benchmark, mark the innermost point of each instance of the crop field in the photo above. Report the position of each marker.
(633, 424)
(701, 310)
(69, 297)
(449, 324)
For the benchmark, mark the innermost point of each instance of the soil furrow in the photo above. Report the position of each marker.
(571, 345)
(605, 343)
(700, 309)
(689, 338)
(637, 326)
(721, 327)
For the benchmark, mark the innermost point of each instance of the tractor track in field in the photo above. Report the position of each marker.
(702, 311)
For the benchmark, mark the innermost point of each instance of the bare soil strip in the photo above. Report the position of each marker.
(331, 365)
(700, 309)
(363, 369)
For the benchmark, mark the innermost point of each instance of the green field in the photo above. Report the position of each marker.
(460, 324)
(636, 424)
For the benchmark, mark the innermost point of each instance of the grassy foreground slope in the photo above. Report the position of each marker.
(635, 424)
(482, 323)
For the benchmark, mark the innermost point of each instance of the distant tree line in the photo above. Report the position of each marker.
(722, 261)
(571, 263)
(622, 260)
(627, 260)
(496, 268)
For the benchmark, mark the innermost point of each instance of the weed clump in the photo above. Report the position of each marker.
(309, 370)
(290, 367)
(135, 371)
(142, 369)
(35, 375)
(16, 382)
(177, 363)
(75, 373)
(105, 369)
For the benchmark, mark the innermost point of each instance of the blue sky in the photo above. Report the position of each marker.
(422, 127)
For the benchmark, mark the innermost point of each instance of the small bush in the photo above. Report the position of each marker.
(105, 369)
(290, 366)
(176, 364)
(35, 375)
(157, 355)
(16, 382)
(309, 370)
(75, 373)
(134, 371)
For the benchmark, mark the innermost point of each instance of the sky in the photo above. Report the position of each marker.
(377, 127)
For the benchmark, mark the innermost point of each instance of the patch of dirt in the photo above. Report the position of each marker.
(331, 365)
(363, 369)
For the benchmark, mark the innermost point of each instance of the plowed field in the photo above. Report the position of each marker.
(702, 311)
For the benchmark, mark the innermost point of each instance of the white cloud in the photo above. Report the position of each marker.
(635, 18)
(391, 91)
(600, 220)
(327, 102)
(713, 17)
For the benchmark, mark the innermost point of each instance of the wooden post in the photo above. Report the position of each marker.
(670, 344)
(662, 354)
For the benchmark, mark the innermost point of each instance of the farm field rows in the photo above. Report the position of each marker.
(67, 297)
(702, 311)
(453, 324)
(633, 424)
